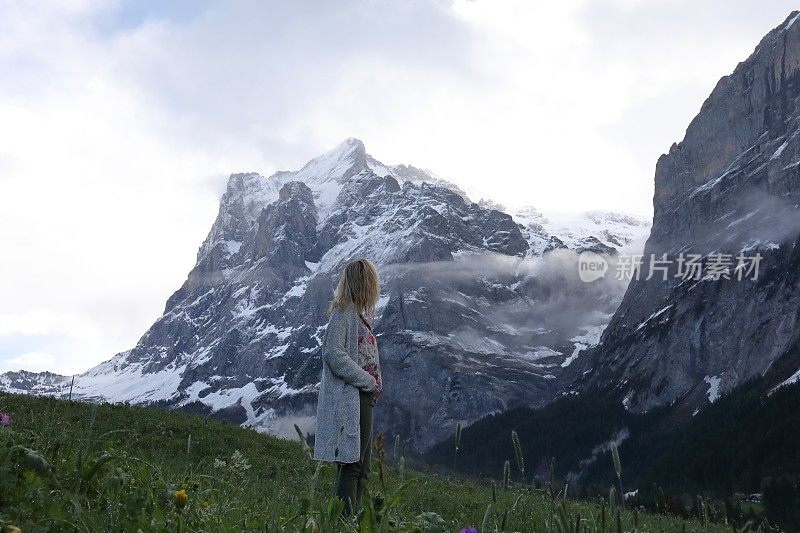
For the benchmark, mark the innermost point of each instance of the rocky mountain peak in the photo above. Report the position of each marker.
(729, 194)
(347, 159)
(296, 189)
(757, 99)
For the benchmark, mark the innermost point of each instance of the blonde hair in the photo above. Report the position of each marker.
(359, 286)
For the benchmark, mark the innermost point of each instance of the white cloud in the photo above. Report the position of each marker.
(121, 121)
(33, 361)
(44, 321)
(29, 339)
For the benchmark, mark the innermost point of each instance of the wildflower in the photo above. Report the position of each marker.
(181, 498)
(468, 529)
(5, 420)
(238, 464)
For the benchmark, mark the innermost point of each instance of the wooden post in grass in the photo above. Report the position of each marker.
(70, 387)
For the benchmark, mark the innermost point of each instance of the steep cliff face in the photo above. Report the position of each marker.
(472, 318)
(730, 189)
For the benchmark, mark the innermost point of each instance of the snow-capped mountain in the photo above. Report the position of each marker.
(479, 311)
(597, 231)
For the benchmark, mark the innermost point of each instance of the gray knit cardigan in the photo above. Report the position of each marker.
(337, 436)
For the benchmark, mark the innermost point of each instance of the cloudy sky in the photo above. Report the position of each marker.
(120, 121)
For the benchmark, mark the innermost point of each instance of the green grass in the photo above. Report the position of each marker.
(68, 466)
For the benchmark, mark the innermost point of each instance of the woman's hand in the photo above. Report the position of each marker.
(372, 369)
(378, 387)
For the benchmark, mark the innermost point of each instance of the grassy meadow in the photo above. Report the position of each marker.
(70, 466)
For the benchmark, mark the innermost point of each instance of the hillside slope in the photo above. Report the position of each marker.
(731, 445)
(68, 466)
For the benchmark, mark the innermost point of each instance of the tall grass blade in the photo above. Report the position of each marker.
(457, 445)
(612, 501)
(485, 522)
(518, 452)
(618, 471)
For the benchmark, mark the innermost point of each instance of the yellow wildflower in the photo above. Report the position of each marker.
(181, 498)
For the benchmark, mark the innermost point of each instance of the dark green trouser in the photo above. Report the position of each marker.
(352, 477)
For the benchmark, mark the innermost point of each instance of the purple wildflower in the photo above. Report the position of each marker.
(469, 529)
(5, 420)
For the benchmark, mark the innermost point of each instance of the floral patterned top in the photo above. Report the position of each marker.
(368, 353)
(367, 346)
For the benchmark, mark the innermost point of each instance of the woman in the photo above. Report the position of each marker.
(351, 382)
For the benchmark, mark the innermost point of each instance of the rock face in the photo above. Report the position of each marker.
(474, 316)
(731, 187)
